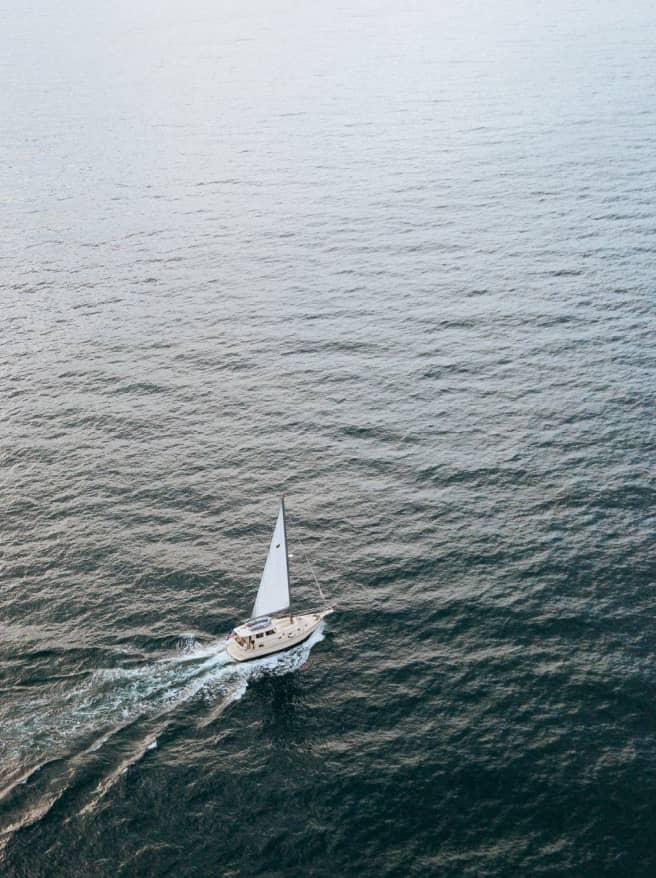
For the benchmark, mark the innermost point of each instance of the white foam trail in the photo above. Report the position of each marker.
(191, 650)
(218, 675)
(111, 697)
(111, 700)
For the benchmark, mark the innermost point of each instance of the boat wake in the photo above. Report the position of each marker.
(57, 745)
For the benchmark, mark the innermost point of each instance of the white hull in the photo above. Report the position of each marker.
(279, 634)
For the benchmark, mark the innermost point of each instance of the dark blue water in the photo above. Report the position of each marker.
(397, 262)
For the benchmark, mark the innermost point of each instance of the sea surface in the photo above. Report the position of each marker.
(395, 261)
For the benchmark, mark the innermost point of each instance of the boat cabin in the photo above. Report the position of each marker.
(253, 633)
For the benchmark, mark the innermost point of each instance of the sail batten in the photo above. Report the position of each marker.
(273, 593)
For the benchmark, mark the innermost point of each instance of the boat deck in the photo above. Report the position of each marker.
(251, 642)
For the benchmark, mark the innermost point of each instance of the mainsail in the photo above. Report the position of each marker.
(273, 593)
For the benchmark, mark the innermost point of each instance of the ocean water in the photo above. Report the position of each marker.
(395, 261)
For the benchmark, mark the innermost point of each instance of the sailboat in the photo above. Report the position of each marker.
(273, 626)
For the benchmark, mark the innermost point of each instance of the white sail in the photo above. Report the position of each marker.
(273, 593)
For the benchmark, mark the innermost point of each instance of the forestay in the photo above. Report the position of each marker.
(273, 593)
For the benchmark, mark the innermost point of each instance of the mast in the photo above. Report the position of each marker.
(284, 528)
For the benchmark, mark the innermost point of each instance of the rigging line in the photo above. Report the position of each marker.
(307, 561)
